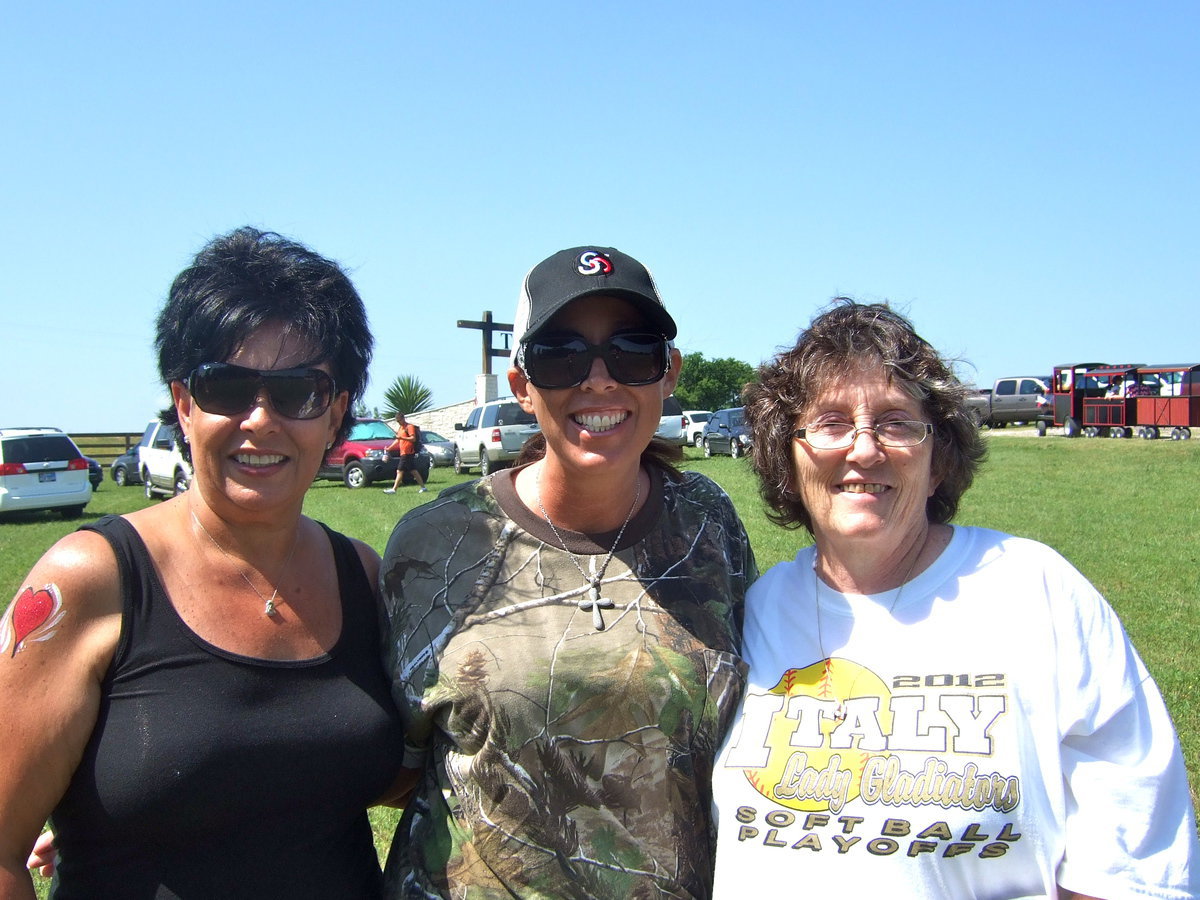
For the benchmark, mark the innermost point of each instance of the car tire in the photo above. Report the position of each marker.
(71, 512)
(485, 464)
(181, 482)
(735, 449)
(707, 449)
(459, 468)
(1041, 428)
(1071, 427)
(354, 476)
(120, 476)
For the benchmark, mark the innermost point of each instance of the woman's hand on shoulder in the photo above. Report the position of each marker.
(57, 638)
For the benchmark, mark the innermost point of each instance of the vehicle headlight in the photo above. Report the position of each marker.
(374, 454)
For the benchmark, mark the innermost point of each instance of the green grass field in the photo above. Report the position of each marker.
(1124, 512)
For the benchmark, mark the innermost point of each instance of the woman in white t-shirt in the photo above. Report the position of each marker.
(932, 710)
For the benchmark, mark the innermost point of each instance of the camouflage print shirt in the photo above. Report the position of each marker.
(562, 760)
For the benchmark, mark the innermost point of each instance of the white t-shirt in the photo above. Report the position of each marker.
(987, 731)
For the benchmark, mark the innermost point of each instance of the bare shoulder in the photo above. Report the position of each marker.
(57, 640)
(71, 597)
(83, 569)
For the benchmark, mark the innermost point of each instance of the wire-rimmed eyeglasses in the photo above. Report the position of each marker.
(840, 435)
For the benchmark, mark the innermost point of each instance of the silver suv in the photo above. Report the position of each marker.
(164, 470)
(41, 468)
(492, 436)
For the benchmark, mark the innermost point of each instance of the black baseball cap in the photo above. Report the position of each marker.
(569, 275)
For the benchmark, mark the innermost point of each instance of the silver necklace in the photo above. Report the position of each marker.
(593, 601)
(268, 602)
(839, 714)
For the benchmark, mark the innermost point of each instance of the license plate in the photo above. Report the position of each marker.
(46, 476)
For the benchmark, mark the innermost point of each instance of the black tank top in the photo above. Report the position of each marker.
(213, 775)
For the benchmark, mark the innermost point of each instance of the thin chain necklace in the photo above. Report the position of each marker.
(268, 602)
(593, 601)
(839, 714)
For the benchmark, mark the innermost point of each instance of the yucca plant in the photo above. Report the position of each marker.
(406, 395)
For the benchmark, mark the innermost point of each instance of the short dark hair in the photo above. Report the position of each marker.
(243, 280)
(844, 336)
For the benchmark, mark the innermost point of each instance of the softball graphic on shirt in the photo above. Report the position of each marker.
(821, 724)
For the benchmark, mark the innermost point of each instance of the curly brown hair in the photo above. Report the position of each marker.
(844, 337)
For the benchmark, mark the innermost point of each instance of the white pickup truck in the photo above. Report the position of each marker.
(1017, 398)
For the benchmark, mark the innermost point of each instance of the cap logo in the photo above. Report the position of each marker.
(594, 263)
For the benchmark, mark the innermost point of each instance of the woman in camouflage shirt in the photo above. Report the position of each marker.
(565, 634)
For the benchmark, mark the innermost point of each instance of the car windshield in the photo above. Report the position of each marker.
(698, 417)
(371, 431)
(432, 437)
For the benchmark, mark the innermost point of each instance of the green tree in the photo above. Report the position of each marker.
(406, 395)
(362, 411)
(712, 383)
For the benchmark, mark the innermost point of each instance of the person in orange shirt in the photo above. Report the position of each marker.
(407, 445)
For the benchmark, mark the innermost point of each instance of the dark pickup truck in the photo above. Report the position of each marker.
(1019, 398)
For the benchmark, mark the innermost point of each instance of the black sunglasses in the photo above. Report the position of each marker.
(224, 389)
(632, 359)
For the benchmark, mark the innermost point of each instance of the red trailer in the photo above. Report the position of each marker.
(1095, 399)
(1169, 397)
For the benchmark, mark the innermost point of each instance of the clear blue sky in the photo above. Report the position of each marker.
(1022, 178)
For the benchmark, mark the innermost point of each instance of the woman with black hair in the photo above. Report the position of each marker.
(192, 692)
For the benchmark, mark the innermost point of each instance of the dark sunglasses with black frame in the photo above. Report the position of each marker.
(633, 358)
(224, 389)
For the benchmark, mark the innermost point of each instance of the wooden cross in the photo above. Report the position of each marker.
(488, 327)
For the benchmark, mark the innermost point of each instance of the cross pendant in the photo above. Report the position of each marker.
(596, 603)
